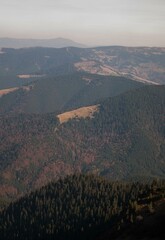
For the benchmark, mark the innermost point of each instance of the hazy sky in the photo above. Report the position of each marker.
(98, 22)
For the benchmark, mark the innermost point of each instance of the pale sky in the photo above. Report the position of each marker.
(92, 22)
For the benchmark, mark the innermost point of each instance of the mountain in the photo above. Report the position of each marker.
(121, 138)
(94, 208)
(21, 66)
(63, 93)
(87, 111)
(26, 43)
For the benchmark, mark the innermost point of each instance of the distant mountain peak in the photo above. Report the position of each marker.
(23, 43)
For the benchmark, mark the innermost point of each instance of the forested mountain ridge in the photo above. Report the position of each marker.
(84, 207)
(127, 132)
(124, 139)
(62, 93)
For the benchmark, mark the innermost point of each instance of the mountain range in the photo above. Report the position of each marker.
(21, 66)
(26, 43)
(78, 127)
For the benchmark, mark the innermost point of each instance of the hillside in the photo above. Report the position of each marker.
(62, 93)
(92, 206)
(149, 226)
(143, 64)
(84, 112)
(21, 66)
(124, 139)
